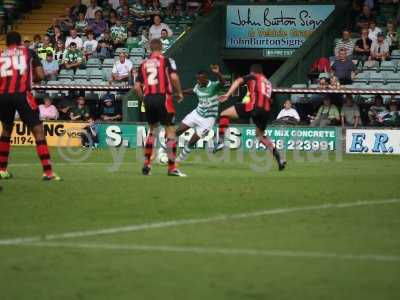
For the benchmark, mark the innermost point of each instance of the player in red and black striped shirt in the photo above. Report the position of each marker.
(18, 65)
(156, 77)
(257, 108)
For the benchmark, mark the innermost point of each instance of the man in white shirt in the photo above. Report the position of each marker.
(288, 115)
(157, 27)
(91, 10)
(121, 69)
(380, 48)
(114, 3)
(373, 31)
(74, 38)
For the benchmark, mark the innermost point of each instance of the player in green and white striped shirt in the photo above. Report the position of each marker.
(202, 118)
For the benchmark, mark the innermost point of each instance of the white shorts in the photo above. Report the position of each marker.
(200, 124)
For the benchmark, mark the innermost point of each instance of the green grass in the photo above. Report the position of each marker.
(95, 196)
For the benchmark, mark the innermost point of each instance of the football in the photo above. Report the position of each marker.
(162, 156)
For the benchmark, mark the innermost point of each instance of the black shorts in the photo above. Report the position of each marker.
(156, 110)
(259, 116)
(24, 104)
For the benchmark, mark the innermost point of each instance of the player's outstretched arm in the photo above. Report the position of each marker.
(176, 83)
(235, 85)
(188, 92)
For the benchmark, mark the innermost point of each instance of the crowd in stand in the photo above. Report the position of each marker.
(373, 46)
(97, 30)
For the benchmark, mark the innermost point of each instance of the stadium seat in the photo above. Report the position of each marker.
(136, 60)
(395, 54)
(388, 66)
(80, 81)
(391, 77)
(298, 97)
(93, 63)
(363, 76)
(96, 74)
(119, 50)
(66, 74)
(107, 73)
(81, 74)
(52, 93)
(376, 77)
(137, 52)
(108, 63)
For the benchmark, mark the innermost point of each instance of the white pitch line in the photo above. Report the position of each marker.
(218, 251)
(174, 223)
(68, 164)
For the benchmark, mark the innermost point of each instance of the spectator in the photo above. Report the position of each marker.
(343, 68)
(73, 57)
(90, 45)
(157, 27)
(122, 68)
(114, 3)
(124, 13)
(37, 41)
(112, 19)
(48, 111)
(165, 40)
(90, 138)
(118, 34)
(362, 48)
(380, 48)
(144, 38)
(167, 5)
(74, 38)
(106, 37)
(373, 31)
(375, 110)
(80, 112)
(391, 36)
(81, 25)
(50, 67)
(345, 43)
(64, 112)
(109, 111)
(390, 118)
(59, 52)
(98, 25)
(45, 48)
(364, 18)
(350, 114)
(57, 35)
(288, 115)
(65, 21)
(334, 82)
(92, 9)
(27, 42)
(327, 115)
(131, 27)
(78, 8)
(103, 50)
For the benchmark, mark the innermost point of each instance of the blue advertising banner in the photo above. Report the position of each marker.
(273, 26)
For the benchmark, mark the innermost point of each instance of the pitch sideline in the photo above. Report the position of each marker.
(174, 223)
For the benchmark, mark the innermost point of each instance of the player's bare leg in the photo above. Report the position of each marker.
(181, 129)
(171, 151)
(5, 145)
(148, 149)
(188, 148)
(269, 145)
(224, 120)
(43, 152)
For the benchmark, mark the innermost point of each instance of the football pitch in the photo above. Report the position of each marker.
(326, 228)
